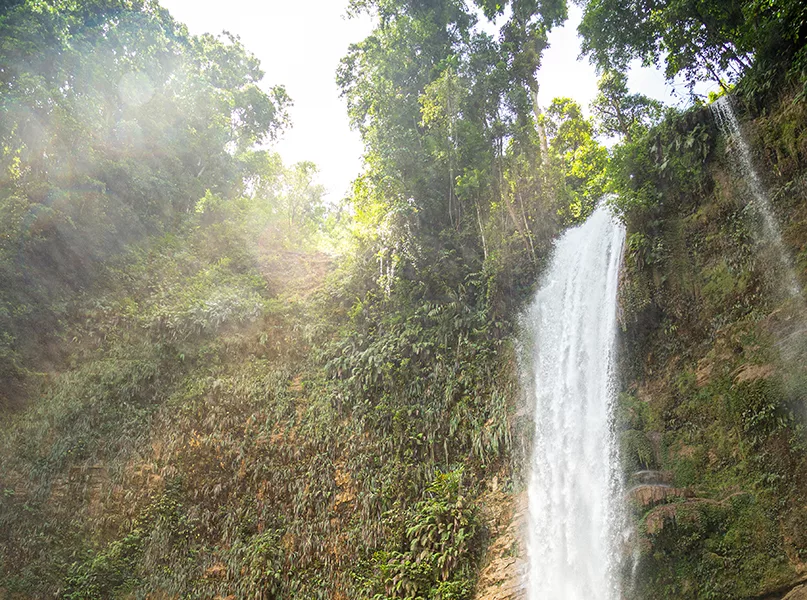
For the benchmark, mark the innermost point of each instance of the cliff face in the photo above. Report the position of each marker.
(713, 363)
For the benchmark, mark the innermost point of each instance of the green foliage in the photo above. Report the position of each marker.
(261, 561)
(715, 40)
(116, 122)
(714, 550)
(453, 155)
(636, 451)
(619, 113)
(142, 346)
(665, 163)
(113, 570)
(440, 548)
(579, 157)
(711, 369)
(193, 355)
(302, 196)
(758, 409)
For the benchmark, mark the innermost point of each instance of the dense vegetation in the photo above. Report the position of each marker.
(198, 410)
(115, 123)
(199, 401)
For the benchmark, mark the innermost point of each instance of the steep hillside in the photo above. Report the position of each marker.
(197, 401)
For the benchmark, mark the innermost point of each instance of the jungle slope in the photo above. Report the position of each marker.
(206, 435)
(192, 405)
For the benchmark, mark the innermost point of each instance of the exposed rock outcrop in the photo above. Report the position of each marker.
(798, 593)
(651, 494)
(503, 576)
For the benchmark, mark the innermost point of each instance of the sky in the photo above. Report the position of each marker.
(300, 43)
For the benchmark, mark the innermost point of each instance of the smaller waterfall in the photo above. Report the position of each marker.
(575, 493)
(727, 120)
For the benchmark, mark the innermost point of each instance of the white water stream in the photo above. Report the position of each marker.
(727, 121)
(575, 493)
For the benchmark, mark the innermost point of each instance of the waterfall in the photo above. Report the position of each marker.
(726, 119)
(575, 492)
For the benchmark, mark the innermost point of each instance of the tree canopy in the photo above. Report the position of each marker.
(619, 113)
(717, 40)
(448, 119)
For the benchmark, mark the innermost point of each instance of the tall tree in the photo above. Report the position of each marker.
(446, 114)
(302, 196)
(619, 113)
(579, 156)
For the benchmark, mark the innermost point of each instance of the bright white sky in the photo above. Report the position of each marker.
(300, 43)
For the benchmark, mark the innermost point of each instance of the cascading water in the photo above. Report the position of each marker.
(726, 119)
(575, 494)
